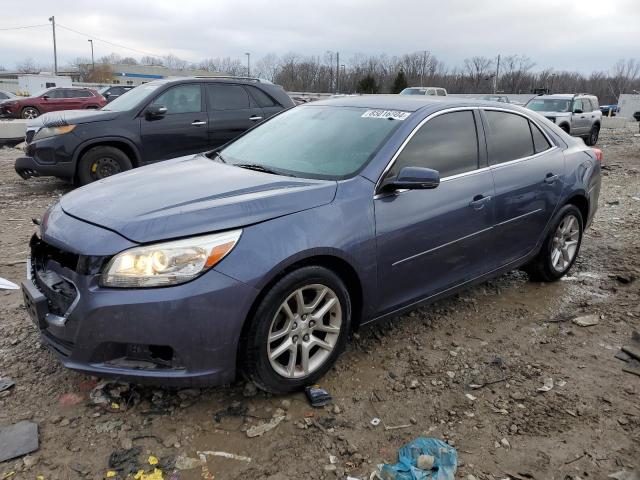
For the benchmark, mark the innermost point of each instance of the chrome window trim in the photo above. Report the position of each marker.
(471, 172)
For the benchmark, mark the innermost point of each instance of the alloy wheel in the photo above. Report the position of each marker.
(565, 243)
(304, 331)
(29, 113)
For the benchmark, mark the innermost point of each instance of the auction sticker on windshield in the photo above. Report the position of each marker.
(389, 114)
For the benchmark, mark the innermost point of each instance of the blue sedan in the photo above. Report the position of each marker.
(264, 255)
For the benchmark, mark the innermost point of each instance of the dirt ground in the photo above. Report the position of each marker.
(414, 373)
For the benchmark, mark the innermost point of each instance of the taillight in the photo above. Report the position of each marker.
(598, 153)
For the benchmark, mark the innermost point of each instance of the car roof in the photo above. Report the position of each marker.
(565, 96)
(230, 79)
(406, 103)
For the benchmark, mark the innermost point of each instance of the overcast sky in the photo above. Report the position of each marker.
(583, 35)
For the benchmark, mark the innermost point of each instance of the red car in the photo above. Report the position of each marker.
(51, 100)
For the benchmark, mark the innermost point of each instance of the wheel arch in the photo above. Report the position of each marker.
(121, 143)
(582, 202)
(336, 264)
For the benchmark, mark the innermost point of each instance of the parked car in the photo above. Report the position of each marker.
(156, 121)
(577, 114)
(6, 96)
(53, 100)
(114, 91)
(496, 98)
(435, 91)
(605, 109)
(268, 252)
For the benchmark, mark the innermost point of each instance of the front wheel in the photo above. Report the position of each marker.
(560, 248)
(298, 330)
(30, 112)
(102, 162)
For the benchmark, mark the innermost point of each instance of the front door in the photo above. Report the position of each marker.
(579, 119)
(528, 173)
(230, 112)
(182, 130)
(431, 240)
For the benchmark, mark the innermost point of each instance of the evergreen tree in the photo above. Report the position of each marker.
(400, 82)
(367, 85)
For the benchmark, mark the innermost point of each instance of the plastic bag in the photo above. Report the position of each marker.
(444, 466)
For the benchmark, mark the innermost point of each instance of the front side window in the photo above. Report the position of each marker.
(447, 143)
(55, 93)
(508, 137)
(313, 142)
(181, 99)
(226, 97)
(577, 105)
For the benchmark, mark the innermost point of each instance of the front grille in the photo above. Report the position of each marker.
(41, 252)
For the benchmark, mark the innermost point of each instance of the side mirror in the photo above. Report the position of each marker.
(156, 110)
(577, 110)
(45, 97)
(413, 178)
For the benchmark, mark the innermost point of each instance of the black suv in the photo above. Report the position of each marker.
(113, 92)
(155, 121)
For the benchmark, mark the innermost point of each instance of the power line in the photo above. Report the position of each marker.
(107, 41)
(24, 26)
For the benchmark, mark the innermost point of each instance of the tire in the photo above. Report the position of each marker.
(276, 372)
(566, 128)
(544, 267)
(592, 139)
(30, 112)
(102, 162)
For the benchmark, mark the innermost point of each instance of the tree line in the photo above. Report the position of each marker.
(389, 74)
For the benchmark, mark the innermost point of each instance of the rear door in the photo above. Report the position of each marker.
(579, 119)
(182, 130)
(528, 172)
(231, 112)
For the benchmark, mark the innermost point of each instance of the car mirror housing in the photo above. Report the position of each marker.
(577, 110)
(45, 97)
(156, 110)
(413, 178)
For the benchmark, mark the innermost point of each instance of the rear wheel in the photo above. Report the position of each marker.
(560, 248)
(102, 162)
(298, 330)
(30, 112)
(592, 139)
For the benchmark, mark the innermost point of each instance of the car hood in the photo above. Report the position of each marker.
(71, 117)
(189, 196)
(554, 114)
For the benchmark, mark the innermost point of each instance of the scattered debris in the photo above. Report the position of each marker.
(586, 320)
(125, 460)
(18, 439)
(318, 397)
(6, 384)
(626, 475)
(425, 462)
(631, 355)
(375, 421)
(236, 409)
(232, 456)
(257, 430)
(7, 285)
(470, 397)
(187, 463)
(548, 385)
(443, 466)
(114, 396)
(250, 390)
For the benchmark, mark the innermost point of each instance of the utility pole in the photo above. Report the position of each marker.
(424, 65)
(55, 53)
(93, 63)
(337, 72)
(495, 79)
(248, 64)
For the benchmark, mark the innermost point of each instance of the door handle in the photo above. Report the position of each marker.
(255, 118)
(198, 122)
(550, 178)
(479, 201)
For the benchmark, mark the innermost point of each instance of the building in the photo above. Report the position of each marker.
(138, 74)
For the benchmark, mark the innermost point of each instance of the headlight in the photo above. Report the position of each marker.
(53, 131)
(169, 263)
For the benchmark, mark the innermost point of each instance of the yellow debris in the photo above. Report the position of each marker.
(8, 475)
(115, 406)
(153, 460)
(139, 475)
(111, 473)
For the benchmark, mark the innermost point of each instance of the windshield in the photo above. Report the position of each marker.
(133, 97)
(549, 105)
(315, 141)
(413, 91)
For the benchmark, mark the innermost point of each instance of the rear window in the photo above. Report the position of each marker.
(226, 97)
(261, 98)
(508, 137)
(549, 105)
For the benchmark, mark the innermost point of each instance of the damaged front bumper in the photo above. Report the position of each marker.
(176, 336)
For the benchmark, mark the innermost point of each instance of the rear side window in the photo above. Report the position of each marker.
(508, 137)
(185, 98)
(586, 105)
(441, 92)
(447, 143)
(540, 142)
(262, 98)
(83, 93)
(226, 97)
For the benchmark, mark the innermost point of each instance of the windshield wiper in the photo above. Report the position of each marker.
(257, 168)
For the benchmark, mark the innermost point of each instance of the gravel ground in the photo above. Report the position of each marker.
(414, 373)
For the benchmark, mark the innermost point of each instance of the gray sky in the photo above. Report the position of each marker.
(583, 35)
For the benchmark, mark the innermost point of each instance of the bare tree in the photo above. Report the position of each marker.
(479, 70)
(151, 61)
(623, 74)
(175, 63)
(27, 66)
